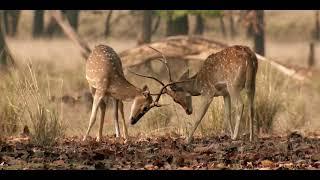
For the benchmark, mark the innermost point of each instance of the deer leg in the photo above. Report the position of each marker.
(251, 111)
(124, 125)
(238, 103)
(96, 101)
(92, 90)
(115, 118)
(227, 111)
(103, 111)
(205, 105)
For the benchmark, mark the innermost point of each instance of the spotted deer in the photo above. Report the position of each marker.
(107, 82)
(225, 73)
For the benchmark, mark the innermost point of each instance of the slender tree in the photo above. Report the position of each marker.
(145, 33)
(259, 39)
(11, 19)
(38, 23)
(233, 31)
(222, 26)
(317, 24)
(177, 25)
(5, 56)
(107, 29)
(73, 17)
(196, 24)
(156, 23)
(53, 29)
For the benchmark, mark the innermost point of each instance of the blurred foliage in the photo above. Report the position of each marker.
(179, 13)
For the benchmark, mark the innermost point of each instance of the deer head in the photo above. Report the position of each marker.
(142, 103)
(179, 94)
(181, 97)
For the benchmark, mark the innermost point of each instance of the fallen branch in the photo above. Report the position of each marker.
(190, 48)
(70, 33)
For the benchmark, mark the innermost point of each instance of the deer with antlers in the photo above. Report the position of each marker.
(225, 73)
(107, 82)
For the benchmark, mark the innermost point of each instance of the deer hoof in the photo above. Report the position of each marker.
(98, 139)
(234, 138)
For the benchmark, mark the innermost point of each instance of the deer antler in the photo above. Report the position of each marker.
(163, 60)
(165, 86)
(155, 103)
(151, 77)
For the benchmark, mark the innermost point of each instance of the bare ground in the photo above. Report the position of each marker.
(164, 152)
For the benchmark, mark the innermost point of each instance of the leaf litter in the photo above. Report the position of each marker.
(164, 153)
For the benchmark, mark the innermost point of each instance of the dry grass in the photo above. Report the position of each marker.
(281, 104)
(25, 101)
(279, 101)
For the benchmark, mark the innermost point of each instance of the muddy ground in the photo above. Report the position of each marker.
(165, 152)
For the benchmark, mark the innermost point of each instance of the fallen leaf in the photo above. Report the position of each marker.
(288, 165)
(185, 168)
(59, 162)
(99, 165)
(264, 168)
(267, 163)
(149, 167)
(315, 157)
(220, 165)
(167, 166)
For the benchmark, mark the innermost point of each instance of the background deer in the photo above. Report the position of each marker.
(225, 73)
(107, 82)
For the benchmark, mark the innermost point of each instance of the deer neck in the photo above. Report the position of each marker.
(124, 90)
(191, 86)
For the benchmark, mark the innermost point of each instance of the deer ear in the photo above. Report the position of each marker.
(146, 91)
(145, 88)
(185, 75)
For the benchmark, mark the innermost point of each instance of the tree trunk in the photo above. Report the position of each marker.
(145, 35)
(38, 23)
(11, 19)
(5, 56)
(169, 24)
(199, 25)
(311, 56)
(317, 28)
(233, 31)
(222, 26)
(156, 25)
(196, 25)
(73, 17)
(250, 31)
(107, 24)
(177, 26)
(53, 29)
(259, 33)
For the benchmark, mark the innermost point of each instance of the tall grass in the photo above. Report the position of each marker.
(25, 101)
(270, 85)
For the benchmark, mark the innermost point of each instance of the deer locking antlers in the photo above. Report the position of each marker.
(181, 99)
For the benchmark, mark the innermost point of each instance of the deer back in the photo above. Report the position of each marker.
(103, 65)
(228, 66)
